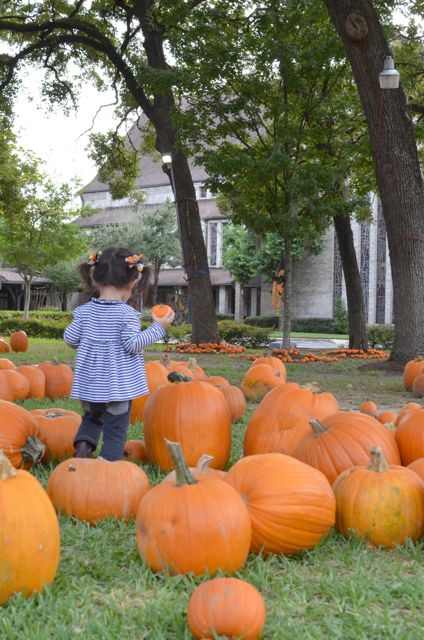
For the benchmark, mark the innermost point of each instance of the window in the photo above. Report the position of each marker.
(213, 242)
(203, 192)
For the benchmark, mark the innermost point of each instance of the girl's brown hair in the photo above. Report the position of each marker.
(110, 268)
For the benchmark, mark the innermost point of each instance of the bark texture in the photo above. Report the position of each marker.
(355, 298)
(396, 164)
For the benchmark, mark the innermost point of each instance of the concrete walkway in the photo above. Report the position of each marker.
(311, 344)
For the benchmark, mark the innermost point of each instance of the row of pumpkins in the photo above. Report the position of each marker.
(295, 482)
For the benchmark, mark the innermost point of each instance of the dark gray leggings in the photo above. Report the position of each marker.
(103, 418)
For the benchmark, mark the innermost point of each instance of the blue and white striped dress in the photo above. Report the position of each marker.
(109, 366)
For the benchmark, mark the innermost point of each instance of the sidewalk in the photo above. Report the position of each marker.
(311, 344)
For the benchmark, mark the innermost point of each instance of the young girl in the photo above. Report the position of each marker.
(109, 367)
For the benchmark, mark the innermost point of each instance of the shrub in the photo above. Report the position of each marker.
(313, 325)
(381, 335)
(34, 328)
(243, 334)
(262, 321)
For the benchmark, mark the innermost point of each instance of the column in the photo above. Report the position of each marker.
(239, 303)
(222, 300)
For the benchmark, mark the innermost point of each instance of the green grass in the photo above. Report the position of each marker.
(341, 589)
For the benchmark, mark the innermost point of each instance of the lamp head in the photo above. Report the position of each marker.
(389, 77)
(167, 159)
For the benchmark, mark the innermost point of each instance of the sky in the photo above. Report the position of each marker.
(58, 139)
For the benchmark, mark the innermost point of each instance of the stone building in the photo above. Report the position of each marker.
(317, 279)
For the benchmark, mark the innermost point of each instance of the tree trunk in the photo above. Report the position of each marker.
(287, 295)
(27, 296)
(195, 261)
(155, 285)
(239, 303)
(355, 299)
(397, 168)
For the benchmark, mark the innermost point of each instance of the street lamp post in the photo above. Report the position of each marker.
(167, 162)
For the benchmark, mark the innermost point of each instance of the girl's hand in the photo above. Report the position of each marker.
(165, 320)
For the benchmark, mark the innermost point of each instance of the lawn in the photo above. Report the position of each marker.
(340, 589)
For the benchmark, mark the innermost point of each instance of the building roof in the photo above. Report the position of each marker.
(151, 173)
(11, 276)
(219, 276)
(115, 215)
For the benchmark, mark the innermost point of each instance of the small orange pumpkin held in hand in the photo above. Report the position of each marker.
(226, 607)
(160, 310)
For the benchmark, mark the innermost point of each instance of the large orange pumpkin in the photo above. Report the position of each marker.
(409, 406)
(259, 380)
(291, 505)
(280, 421)
(36, 380)
(418, 386)
(343, 440)
(58, 428)
(409, 435)
(59, 378)
(5, 363)
(19, 435)
(6, 392)
(19, 340)
(217, 381)
(135, 451)
(201, 469)
(195, 413)
(193, 526)
(369, 407)
(382, 504)
(226, 607)
(273, 362)
(29, 533)
(18, 384)
(235, 400)
(188, 368)
(95, 489)
(4, 347)
(418, 467)
(156, 374)
(412, 369)
(387, 417)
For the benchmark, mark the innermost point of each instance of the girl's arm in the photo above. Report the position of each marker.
(72, 335)
(135, 340)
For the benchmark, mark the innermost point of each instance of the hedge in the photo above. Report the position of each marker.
(381, 335)
(307, 325)
(34, 328)
(243, 335)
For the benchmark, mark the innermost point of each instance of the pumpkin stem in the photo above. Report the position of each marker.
(203, 462)
(182, 472)
(311, 386)
(51, 413)
(175, 376)
(317, 427)
(6, 469)
(166, 360)
(192, 364)
(378, 462)
(33, 450)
